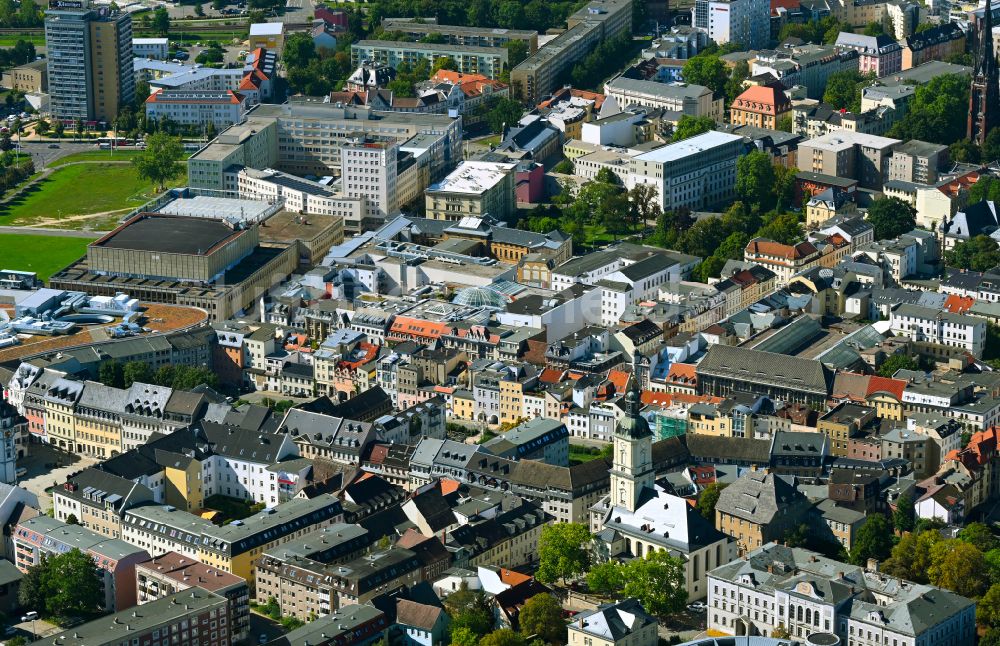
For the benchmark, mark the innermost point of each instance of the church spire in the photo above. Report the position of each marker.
(984, 95)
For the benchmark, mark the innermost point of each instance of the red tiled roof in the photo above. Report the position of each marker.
(894, 387)
(550, 376)
(958, 304)
(379, 453)
(619, 379)
(683, 373)
(772, 248)
(449, 486)
(762, 99)
(409, 326)
(981, 447)
(511, 577)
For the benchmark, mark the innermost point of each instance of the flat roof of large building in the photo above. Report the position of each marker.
(169, 234)
(689, 146)
(267, 28)
(841, 139)
(217, 208)
(473, 177)
(500, 52)
(396, 24)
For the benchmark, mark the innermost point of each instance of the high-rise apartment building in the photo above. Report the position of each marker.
(111, 64)
(746, 22)
(89, 61)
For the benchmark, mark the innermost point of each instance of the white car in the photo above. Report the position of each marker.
(20, 472)
(697, 606)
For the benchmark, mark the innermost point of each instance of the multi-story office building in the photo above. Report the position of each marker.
(89, 63)
(155, 48)
(301, 196)
(172, 573)
(598, 20)
(744, 22)
(689, 99)
(696, 172)
(475, 188)
(488, 61)
(369, 169)
(307, 139)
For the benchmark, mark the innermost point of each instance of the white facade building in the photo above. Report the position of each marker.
(696, 172)
(808, 593)
(745, 22)
(300, 195)
(156, 48)
(220, 108)
(369, 170)
(932, 325)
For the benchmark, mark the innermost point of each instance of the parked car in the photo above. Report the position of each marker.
(20, 472)
(697, 606)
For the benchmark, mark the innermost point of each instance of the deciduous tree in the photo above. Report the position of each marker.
(563, 551)
(657, 581)
(689, 126)
(160, 161)
(959, 567)
(542, 615)
(708, 499)
(979, 253)
(873, 541)
(754, 178)
(708, 70)
(891, 217)
(606, 578)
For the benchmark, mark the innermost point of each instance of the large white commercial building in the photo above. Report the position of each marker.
(475, 188)
(744, 22)
(807, 593)
(221, 108)
(696, 172)
(932, 325)
(369, 168)
(299, 195)
(326, 139)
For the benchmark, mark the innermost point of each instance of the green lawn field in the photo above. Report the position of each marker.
(95, 156)
(77, 190)
(43, 254)
(99, 156)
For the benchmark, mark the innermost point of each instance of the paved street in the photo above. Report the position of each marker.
(43, 155)
(40, 477)
(261, 625)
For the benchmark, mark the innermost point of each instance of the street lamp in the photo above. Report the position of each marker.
(31, 616)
